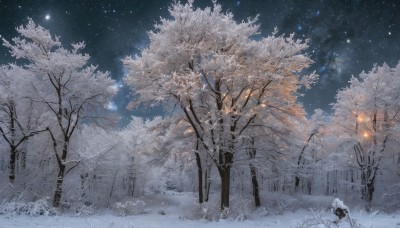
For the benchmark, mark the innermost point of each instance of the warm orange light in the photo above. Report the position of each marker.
(366, 135)
(361, 118)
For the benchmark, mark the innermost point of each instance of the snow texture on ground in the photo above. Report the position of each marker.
(296, 219)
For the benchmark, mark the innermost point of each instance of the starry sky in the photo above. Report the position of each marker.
(346, 36)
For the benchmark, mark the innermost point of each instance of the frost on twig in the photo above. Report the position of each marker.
(317, 221)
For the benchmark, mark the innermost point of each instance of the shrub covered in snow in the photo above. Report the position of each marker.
(38, 208)
(131, 207)
(343, 218)
(317, 221)
(240, 209)
(339, 209)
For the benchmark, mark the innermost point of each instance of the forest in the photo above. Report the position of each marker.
(233, 136)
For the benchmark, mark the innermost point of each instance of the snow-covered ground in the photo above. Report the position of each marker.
(296, 219)
(174, 210)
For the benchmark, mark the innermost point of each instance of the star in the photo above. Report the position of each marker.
(47, 17)
(348, 41)
(299, 28)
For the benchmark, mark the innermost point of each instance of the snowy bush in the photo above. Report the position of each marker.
(38, 208)
(339, 209)
(209, 210)
(317, 222)
(131, 207)
(261, 212)
(342, 211)
(343, 218)
(280, 203)
(239, 210)
(79, 208)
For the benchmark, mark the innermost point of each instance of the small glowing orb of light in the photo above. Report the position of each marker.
(365, 135)
(47, 17)
(112, 106)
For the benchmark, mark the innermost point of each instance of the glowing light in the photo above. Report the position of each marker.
(366, 135)
(188, 131)
(112, 106)
(47, 17)
(348, 41)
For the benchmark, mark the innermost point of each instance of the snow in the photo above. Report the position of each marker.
(172, 209)
(296, 219)
(337, 203)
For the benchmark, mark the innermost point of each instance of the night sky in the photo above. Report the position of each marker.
(346, 36)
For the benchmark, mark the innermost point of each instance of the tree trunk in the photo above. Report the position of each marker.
(253, 171)
(254, 182)
(61, 174)
(368, 183)
(225, 165)
(22, 155)
(225, 174)
(370, 191)
(200, 177)
(13, 154)
(112, 188)
(207, 182)
(58, 192)
(297, 177)
(131, 179)
(296, 182)
(13, 148)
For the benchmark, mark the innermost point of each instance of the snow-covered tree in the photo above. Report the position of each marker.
(221, 77)
(368, 113)
(70, 90)
(141, 141)
(115, 165)
(18, 116)
(314, 129)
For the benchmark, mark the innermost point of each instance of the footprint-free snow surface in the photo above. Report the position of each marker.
(296, 219)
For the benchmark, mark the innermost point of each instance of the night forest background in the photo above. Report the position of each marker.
(285, 110)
